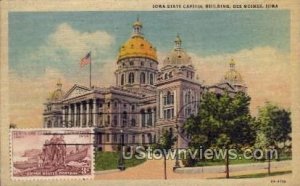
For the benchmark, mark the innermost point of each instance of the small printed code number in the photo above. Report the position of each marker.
(278, 181)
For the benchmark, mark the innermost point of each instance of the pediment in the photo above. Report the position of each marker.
(75, 91)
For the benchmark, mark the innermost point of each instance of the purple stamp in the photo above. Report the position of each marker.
(51, 153)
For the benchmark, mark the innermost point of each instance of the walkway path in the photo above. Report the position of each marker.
(153, 169)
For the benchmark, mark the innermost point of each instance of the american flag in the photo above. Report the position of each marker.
(85, 60)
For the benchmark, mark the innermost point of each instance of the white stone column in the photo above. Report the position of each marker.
(161, 105)
(87, 114)
(81, 114)
(75, 115)
(94, 112)
(69, 115)
(175, 104)
(63, 116)
(153, 118)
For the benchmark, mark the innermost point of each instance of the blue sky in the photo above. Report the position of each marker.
(47, 46)
(203, 32)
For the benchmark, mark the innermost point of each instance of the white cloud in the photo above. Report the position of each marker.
(265, 71)
(66, 46)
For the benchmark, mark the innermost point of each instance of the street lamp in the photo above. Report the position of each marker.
(121, 164)
(177, 165)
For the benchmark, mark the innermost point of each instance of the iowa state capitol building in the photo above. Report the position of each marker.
(145, 100)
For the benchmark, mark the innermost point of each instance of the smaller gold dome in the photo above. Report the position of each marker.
(57, 94)
(177, 56)
(233, 76)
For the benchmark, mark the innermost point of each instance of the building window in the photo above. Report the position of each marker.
(49, 124)
(133, 122)
(149, 117)
(107, 137)
(108, 104)
(143, 78)
(188, 97)
(108, 119)
(115, 122)
(133, 138)
(115, 137)
(169, 99)
(124, 117)
(166, 75)
(170, 74)
(143, 138)
(132, 107)
(151, 79)
(143, 115)
(131, 63)
(122, 79)
(169, 113)
(131, 78)
(142, 63)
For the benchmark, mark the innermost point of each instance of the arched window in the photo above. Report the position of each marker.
(124, 117)
(133, 122)
(115, 122)
(166, 75)
(149, 138)
(188, 97)
(151, 79)
(149, 112)
(122, 79)
(131, 78)
(170, 98)
(143, 139)
(143, 115)
(143, 78)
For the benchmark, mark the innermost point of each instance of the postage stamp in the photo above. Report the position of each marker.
(51, 153)
(149, 91)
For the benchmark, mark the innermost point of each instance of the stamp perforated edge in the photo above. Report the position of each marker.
(54, 178)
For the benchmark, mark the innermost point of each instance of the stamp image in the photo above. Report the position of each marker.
(150, 95)
(38, 153)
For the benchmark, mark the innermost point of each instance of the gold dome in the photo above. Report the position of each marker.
(137, 45)
(233, 76)
(57, 94)
(177, 56)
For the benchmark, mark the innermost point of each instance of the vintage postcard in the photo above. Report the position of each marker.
(44, 153)
(149, 92)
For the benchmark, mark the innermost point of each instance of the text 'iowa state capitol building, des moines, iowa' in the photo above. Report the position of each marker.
(145, 100)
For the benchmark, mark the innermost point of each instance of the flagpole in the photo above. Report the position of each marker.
(91, 70)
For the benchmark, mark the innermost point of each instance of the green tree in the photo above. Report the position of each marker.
(273, 128)
(223, 121)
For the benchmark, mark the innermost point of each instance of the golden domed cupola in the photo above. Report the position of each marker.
(177, 56)
(57, 94)
(177, 63)
(137, 62)
(137, 45)
(233, 76)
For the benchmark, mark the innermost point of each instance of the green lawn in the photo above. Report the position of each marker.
(109, 160)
